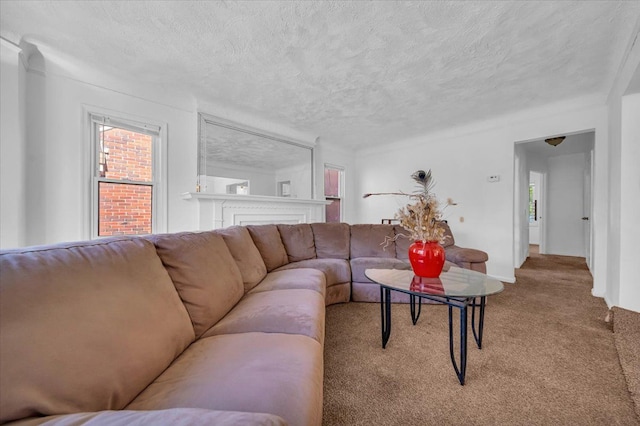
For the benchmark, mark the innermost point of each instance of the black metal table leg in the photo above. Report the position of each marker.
(478, 335)
(462, 369)
(385, 314)
(412, 302)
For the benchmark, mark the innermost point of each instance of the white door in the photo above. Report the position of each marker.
(565, 208)
(587, 211)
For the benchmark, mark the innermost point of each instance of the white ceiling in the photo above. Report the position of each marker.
(354, 73)
(573, 144)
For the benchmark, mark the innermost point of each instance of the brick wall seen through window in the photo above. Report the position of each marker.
(124, 208)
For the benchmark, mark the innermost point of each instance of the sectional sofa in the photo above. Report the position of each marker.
(222, 327)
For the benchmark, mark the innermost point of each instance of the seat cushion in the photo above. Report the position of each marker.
(173, 417)
(360, 264)
(246, 255)
(85, 326)
(271, 373)
(370, 241)
(332, 240)
(298, 278)
(298, 241)
(277, 311)
(203, 272)
(336, 271)
(267, 240)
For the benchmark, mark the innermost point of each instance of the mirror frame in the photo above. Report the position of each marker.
(205, 119)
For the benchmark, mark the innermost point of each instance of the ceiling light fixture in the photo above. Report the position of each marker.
(555, 141)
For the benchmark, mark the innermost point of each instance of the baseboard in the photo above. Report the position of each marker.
(510, 280)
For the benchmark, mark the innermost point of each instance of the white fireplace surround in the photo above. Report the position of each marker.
(224, 210)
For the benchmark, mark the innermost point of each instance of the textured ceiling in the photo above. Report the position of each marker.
(235, 148)
(354, 73)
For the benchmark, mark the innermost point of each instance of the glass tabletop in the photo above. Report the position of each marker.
(456, 282)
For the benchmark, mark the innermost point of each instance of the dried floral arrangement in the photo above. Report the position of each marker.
(422, 218)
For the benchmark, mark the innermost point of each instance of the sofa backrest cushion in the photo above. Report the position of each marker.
(85, 326)
(368, 240)
(204, 273)
(448, 235)
(246, 255)
(267, 240)
(332, 240)
(298, 241)
(402, 243)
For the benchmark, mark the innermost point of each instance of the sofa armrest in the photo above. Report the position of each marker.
(466, 257)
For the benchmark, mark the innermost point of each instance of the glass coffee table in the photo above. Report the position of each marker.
(457, 288)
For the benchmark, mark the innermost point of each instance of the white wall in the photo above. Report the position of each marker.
(623, 189)
(629, 295)
(565, 190)
(58, 152)
(12, 148)
(521, 206)
(55, 147)
(463, 158)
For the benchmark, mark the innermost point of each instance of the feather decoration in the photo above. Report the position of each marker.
(425, 181)
(421, 217)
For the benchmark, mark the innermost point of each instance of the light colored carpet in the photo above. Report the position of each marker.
(626, 326)
(548, 358)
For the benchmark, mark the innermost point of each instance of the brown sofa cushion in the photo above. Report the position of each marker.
(246, 255)
(336, 271)
(300, 278)
(85, 326)
(361, 264)
(448, 235)
(173, 417)
(272, 373)
(368, 241)
(291, 311)
(203, 272)
(459, 255)
(298, 241)
(267, 240)
(331, 240)
(402, 243)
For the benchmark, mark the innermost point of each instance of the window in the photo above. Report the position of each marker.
(125, 173)
(533, 204)
(333, 190)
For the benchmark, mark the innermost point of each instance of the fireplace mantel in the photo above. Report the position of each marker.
(223, 210)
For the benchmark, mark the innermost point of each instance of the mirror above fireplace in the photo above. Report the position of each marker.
(238, 159)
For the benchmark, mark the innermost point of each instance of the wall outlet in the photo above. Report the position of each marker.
(493, 178)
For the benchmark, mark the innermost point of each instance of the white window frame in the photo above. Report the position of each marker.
(97, 116)
(340, 187)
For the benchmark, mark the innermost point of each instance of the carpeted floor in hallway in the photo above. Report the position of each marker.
(548, 358)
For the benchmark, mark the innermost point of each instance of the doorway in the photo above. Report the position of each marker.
(536, 194)
(557, 181)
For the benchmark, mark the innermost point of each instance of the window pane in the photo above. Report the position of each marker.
(331, 182)
(124, 209)
(332, 211)
(532, 207)
(124, 154)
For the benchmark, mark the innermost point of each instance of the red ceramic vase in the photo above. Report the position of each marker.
(426, 258)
